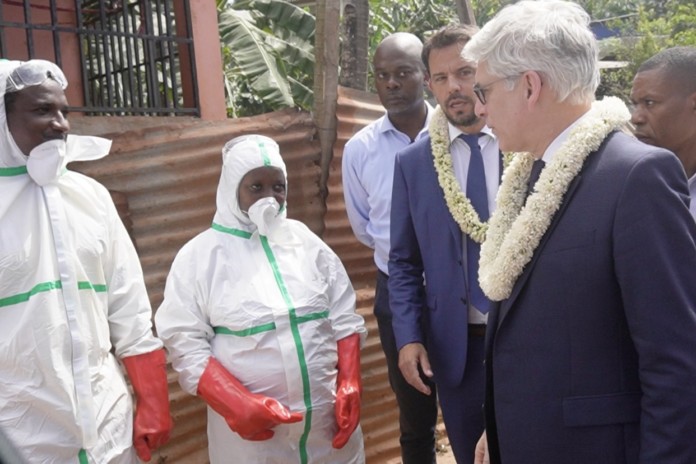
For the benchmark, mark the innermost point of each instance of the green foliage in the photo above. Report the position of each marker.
(268, 55)
(420, 17)
(647, 26)
(656, 27)
(484, 10)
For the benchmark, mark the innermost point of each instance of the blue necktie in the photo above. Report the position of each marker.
(478, 196)
(537, 166)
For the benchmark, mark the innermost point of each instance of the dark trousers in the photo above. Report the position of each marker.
(462, 405)
(417, 412)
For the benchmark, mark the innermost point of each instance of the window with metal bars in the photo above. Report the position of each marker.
(133, 57)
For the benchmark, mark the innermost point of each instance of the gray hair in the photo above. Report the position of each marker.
(551, 37)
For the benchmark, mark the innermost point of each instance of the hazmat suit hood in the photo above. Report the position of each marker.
(10, 154)
(239, 156)
(51, 157)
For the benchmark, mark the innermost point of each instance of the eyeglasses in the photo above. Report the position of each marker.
(34, 72)
(480, 90)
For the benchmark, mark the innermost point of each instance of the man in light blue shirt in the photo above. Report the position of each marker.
(368, 170)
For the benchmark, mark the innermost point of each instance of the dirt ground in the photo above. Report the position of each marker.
(446, 458)
(444, 452)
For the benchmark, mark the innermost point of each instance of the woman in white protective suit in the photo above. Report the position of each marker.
(72, 296)
(259, 320)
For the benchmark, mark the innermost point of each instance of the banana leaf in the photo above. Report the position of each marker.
(254, 59)
(285, 16)
(303, 95)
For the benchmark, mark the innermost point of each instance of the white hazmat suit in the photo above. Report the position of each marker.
(270, 308)
(71, 290)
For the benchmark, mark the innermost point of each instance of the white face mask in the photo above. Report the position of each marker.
(46, 161)
(265, 214)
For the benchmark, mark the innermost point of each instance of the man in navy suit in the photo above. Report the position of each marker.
(438, 316)
(591, 351)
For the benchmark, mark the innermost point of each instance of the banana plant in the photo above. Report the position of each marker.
(268, 55)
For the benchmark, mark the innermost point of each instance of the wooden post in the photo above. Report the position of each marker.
(465, 12)
(326, 82)
(208, 65)
(354, 44)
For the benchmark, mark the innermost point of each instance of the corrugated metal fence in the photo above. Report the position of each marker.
(164, 173)
(380, 419)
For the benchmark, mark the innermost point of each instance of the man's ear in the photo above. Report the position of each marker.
(531, 80)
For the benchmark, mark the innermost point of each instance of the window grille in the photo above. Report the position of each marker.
(136, 55)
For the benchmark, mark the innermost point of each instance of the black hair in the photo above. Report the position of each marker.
(678, 62)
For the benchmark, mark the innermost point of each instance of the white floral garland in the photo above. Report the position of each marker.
(516, 228)
(459, 205)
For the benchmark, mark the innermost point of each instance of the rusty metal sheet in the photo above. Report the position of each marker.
(380, 417)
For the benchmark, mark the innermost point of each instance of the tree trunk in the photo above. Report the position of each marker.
(326, 82)
(465, 12)
(354, 44)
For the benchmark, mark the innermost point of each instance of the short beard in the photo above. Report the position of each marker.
(464, 120)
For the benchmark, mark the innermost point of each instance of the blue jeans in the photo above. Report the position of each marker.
(417, 412)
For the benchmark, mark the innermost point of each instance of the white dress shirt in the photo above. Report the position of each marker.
(461, 155)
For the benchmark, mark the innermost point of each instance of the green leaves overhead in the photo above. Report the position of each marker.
(287, 18)
(250, 56)
(268, 55)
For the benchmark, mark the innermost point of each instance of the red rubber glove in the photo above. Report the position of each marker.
(348, 389)
(153, 424)
(251, 415)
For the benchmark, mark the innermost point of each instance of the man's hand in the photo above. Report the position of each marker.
(411, 356)
(481, 454)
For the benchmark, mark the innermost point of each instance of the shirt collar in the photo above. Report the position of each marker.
(455, 132)
(560, 139)
(386, 124)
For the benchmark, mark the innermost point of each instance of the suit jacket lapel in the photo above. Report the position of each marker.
(522, 279)
(454, 227)
(451, 223)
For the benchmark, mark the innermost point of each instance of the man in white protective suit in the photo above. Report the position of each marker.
(71, 293)
(259, 320)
